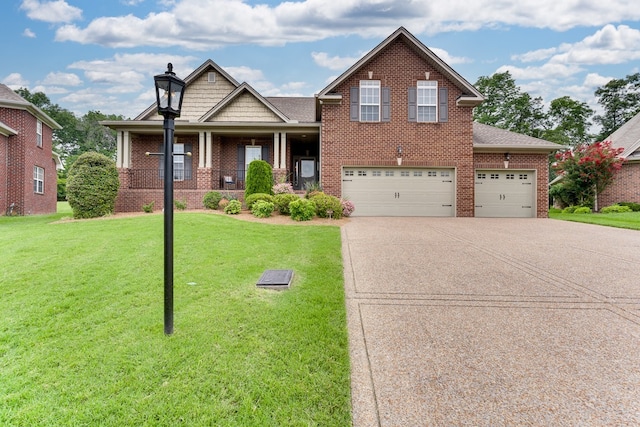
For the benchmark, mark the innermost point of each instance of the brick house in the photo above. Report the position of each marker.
(626, 183)
(28, 165)
(394, 134)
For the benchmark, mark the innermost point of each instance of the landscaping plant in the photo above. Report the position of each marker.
(259, 178)
(211, 199)
(92, 185)
(302, 209)
(262, 209)
(233, 207)
(282, 201)
(251, 199)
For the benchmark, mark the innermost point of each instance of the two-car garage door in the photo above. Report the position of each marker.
(387, 191)
(400, 191)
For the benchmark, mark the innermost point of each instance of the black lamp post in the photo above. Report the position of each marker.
(169, 92)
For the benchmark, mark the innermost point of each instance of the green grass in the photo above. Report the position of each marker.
(629, 220)
(81, 324)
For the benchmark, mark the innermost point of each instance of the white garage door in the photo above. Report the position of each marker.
(400, 191)
(505, 194)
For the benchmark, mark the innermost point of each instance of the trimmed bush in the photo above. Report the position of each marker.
(233, 208)
(302, 209)
(250, 200)
(615, 209)
(211, 200)
(634, 206)
(259, 178)
(262, 209)
(570, 209)
(282, 201)
(325, 203)
(92, 185)
(582, 210)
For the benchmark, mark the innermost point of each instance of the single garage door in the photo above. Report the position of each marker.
(505, 194)
(400, 191)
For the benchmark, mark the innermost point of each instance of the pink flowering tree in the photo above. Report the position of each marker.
(588, 169)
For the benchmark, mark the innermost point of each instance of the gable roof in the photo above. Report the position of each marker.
(10, 99)
(471, 96)
(493, 139)
(243, 88)
(628, 137)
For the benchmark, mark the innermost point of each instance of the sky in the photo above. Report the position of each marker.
(89, 55)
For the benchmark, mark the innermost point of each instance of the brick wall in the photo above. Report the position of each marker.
(22, 155)
(4, 140)
(625, 187)
(346, 143)
(522, 161)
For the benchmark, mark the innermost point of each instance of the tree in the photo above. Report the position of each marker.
(507, 107)
(588, 169)
(620, 99)
(92, 185)
(259, 178)
(569, 121)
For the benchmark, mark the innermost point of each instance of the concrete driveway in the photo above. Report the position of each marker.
(492, 322)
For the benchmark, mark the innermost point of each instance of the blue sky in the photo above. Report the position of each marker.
(102, 55)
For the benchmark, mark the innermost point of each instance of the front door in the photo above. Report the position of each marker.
(305, 172)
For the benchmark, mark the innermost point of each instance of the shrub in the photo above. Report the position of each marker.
(211, 200)
(259, 178)
(311, 189)
(180, 205)
(282, 201)
(251, 199)
(92, 185)
(635, 207)
(62, 189)
(223, 203)
(282, 188)
(262, 209)
(148, 208)
(615, 209)
(325, 204)
(302, 209)
(233, 208)
(582, 210)
(569, 209)
(347, 207)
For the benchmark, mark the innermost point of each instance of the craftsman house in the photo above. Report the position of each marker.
(394, 134)
(28, 165)
(626, 183)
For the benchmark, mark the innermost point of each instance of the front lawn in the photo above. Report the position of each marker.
(621, 220)
(81, 324)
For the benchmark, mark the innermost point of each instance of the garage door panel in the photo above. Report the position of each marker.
(504, 194)
(400, 191)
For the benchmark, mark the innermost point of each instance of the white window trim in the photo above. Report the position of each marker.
(39, 133)
(38, 180)
(258, 148)
(178, 162)
(422, 86)
(370, 84)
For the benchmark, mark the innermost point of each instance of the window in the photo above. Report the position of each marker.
(404, 173)
(417, 173)
(427, 100)
(362, 173)
(523, 176)
(482, 176)
(348, 173)
(444, 173)
(38, 180)
(39, 133)
(178, 162)
(370, 101)
(432, 173)
(510, 176)
(495, 176)
(388, 173)
(211, 77)
(251, 153)
(377, 173)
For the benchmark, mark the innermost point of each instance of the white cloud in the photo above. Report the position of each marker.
(28, 33)
(446, 57)
(51, 11)
(15, 81)
(334, 62)
(208, 24)
(62, 79)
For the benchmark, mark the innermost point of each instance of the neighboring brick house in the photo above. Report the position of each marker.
(394, 134)
(28, 165)
(626, 183)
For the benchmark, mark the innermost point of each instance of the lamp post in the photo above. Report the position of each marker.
(169, 92)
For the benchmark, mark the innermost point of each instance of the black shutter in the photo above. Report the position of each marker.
(386, 104)
(443, 104)
(265, 154)
(354, 102)
(413, 104)
(240, 163)
(188, 161)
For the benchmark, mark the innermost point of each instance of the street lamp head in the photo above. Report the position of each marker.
(169, 93)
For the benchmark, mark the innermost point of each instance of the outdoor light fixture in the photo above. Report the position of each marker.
(399, 158)
(507, 157)
(169, 92)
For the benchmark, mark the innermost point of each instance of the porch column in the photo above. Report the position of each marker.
(119, 149)
(201, 151)
(209, 149)
(126, 151)
(283, 150)
(276, 150)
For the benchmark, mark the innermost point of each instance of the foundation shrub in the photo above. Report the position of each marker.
(282, 201)
(148, 208)
(211, 200)
(262, 209)
(327, 205)
(302, 209)
(259, 178)
(615, 209)
(253, 198)
(233, 207)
